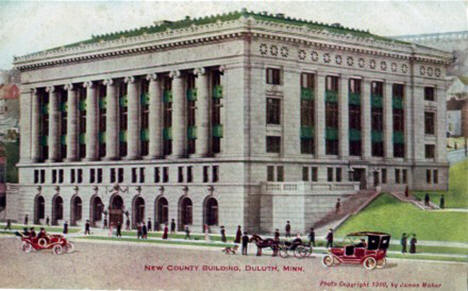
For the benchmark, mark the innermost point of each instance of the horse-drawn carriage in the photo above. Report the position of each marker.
(283, 248)
(57, 242)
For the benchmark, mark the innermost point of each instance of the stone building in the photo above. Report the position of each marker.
(239, 119)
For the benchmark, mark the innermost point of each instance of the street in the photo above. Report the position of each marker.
(131, 266)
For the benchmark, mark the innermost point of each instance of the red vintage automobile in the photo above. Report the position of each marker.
(367, 248)
(57, 242)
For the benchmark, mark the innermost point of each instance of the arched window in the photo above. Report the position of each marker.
(162, 210)
(186, 211)
(211, 211)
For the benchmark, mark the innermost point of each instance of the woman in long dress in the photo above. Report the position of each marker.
(413, 242)
(238, 235)
(164, 236)
(207, 236)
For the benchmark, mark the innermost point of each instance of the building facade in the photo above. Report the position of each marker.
(239, 119)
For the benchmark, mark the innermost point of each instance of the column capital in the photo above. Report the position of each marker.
(88, 84)
(129, 79)
(175, 74)
(108, 82)
(199, 71)
(69, 87)
(152, 77)
(50, 89)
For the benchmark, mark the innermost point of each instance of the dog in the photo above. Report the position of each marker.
(231, 250)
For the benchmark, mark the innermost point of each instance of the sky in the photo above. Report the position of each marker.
(27, 27)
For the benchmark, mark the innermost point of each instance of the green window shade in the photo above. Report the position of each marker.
(167, 133)
(331, 96)
(376, 101)
(102, 102)
(44, 140)
(82, 138)
(63, 139)
(45, 109)
(398, 137)
(167, 96)
(192, 132)
(307, 93)
(192, 94)
(145, 98)
(123, 136)
(102, 137)
(218, 91)
(307, 132)
(144, 134)
(218, 130)
(397, 103)
(331, 133)
(354, 134)
(82, 105)
(123, 101)
(354, 98)
(377, 136)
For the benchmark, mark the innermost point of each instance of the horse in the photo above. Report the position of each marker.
(263, 243)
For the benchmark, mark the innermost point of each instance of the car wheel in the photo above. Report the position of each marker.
(26, 247)
(70, 247)
(327, 261)
(369, 263)
(283, 253)
(42, 242)
(57, 249)
(381, 263)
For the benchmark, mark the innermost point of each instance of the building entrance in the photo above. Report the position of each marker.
(116, 210)
(359, 175)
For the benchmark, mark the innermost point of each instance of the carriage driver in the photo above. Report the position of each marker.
(296, 242)
(43, 234)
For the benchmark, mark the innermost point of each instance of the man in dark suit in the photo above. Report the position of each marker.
(47, 221)
(119, 229)
(312, 237)
(150, 227)
(287, 229)
(65, 227)
(87, 228)
(26, 219)
(173, 226)
(330, 238)
(245, 243)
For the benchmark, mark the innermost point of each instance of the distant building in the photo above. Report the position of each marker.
(9, 105)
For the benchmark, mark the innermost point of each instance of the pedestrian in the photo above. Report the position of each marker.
(87, 232)
(149, 224)
(164, 236)
(207, 235)
(127, 226)
(65, 227)
(287, 229)
(47, 221)
(427, 199)
(413, 242)
(173, 226)
(139, 233)
(26, 219)
(119, 229)
(8, 225)
(104, 225)
(442, 202)
(330, 238)
(144, 231)
(223, 234)
(238, 235)
(245, 243)
(277, 234)
(338, 205)
(187, 232)
(312, 237)
(403, 242)
(32, 233)
(277, 241)
(407, 191)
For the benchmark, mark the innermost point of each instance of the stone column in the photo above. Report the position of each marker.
(388, 121)
(155, 117)
(202, 114)
(418, 122)
(366, 125)
(179, 130)
(53, 124)
(290, 120)
(91, 121)
(320, 116)
(112, 121)
(35, 127)
(133, 119)
(72, 123)
(407, 107)
(343, 115)
(441, 118)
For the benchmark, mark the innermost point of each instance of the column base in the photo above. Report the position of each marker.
(152, 157)
(110, 158)
(176, 157)
(69, 160)
(200, 155)
(90, 159)
(132, 158)
(51, 161)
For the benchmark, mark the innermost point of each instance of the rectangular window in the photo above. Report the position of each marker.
(273, 76)
(273, 144)
(205, 174)
(314, 174)
(189, 174)
(215, 174)
(134, 175)
(435, 177)
(338, 174)
(397, 176)
(72, 176)
(429, 121)
(80, 176)
(305, 174)
(307, 80)
(42, 176)
(428, 176)
(112, 175)
(384, 176)
(120, 175)
(330, 174)
(36, 176)
(54, 176)
(99, 175)
(332, 83)
(307, 145)
(157, 175)
(405, 176)
(280, 174)
(60, 176)
(165, 174)
(180, 176)
(429, 93)
(273, 112)
(142, 175)
(429, 151)
(92, 175)
(270, 173)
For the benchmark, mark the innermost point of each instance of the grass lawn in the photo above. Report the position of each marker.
(457, 196)
(180, 235)
(204, 244)
(37, 228)
(388, 214)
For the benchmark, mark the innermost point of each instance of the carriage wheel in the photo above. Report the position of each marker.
(57, 249)
(283, 252)
(327, 261)
(305, 251)
(369, 263)
(69, 247)
(381, 263)
(300, 252)
(26, 247)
